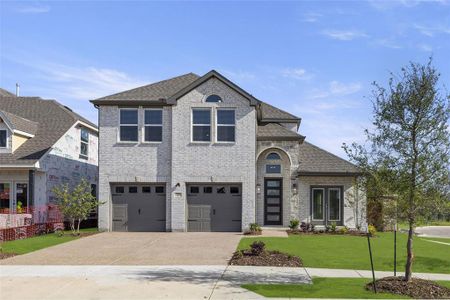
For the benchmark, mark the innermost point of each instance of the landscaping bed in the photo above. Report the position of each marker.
(416, 288)
(257, 255)
(4, 255)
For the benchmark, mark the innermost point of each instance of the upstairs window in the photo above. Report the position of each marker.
(213, 98)
(84, 143)
(226, 125)
(128, 125)
(3, 138)
(153, 125)
(201, 125)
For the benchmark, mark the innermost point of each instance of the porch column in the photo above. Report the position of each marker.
(31, 174)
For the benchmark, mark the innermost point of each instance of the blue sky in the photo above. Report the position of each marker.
(315, 59)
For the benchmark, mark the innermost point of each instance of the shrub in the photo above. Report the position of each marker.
(327, 228)
(333, 227)
(257, 247)
(306, 226)
(293, 224)
(254, 227)
(343, 230)
(372, 230)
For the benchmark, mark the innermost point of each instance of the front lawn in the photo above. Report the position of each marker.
(351, 252)
(350, 288)
(39, 242)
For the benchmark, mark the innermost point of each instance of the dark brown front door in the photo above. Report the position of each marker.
(273, 199)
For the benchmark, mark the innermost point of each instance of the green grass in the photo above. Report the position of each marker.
(404, 225)
(40, 242)
(351, 252)
(350, 288)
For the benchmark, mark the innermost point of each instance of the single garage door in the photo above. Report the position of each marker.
(214, 207)
(139, 207)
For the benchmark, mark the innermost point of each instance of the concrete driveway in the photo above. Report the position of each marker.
(434, 231)
(137, 248)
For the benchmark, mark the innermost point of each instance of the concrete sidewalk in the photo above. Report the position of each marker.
(140, 282)
(433, 231)
(344, 273)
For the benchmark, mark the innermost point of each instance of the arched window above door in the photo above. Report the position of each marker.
(273, 156)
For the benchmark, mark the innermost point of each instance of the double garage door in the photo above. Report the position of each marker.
(139, 207)
(214, 207)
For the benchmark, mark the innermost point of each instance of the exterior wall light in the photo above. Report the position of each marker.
(258, 189)
(294, 188)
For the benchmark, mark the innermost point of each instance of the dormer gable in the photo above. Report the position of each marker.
(14, 131)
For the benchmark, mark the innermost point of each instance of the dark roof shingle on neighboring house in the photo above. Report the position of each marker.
(19, 123)
(5, 93)
(316, 161)
(274, 131)
(53, 120)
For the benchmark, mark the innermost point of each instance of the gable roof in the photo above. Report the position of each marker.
(5, 93)
(314, 161)
(274, 131)
(270, 113)
(19, 124)
(156, 92)
(52, 119)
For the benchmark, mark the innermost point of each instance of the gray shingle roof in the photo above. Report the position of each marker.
(269, 112)
(274, 131)
(152, 92)
(5, 93)
(53, 121)
(19, 123)
(316, 161)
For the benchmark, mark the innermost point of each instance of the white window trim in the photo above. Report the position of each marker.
(7, 139)
(83, 142)
(224, 125)
(339, 193)
(210, 125)
(152, 125)
(323, 204)
(120, 125)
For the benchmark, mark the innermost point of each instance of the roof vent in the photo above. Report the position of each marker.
(17, 90)
(68, 108)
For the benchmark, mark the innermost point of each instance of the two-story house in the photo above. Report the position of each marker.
(43, 144)
(198, 153)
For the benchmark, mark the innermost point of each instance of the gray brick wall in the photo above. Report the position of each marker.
(213, 162)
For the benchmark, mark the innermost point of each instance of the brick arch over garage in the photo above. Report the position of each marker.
(285, 175)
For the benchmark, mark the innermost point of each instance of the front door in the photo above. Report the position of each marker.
(273, 199)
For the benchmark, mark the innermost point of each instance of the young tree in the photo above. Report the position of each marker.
(410, 143)
(75, 204)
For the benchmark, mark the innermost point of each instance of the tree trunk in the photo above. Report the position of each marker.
(409, 249)
(78, 227)
(72, 226)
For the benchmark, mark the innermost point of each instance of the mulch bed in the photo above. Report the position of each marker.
(416, 288)
(4, 255)
(252, 232)
(322, 232)
(266, 258)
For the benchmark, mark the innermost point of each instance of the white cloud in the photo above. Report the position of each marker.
(311, 17)
(239, 75)
(388, 43)
(391, 4)
(296, 73)
(33, 9)
(425, 47)
(431, 31)
(336, 88)
(344, 35)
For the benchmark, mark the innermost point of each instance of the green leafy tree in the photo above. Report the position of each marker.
(75, 204)
(408, 149)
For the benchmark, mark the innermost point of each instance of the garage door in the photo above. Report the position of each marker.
(215, 207)
(139, 207)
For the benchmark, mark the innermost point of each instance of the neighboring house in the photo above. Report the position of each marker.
(42, 144)
(198, 153)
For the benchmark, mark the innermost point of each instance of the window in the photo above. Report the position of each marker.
(3, 139)
(159, 189)
(226, 125)
(201, 125)
(132, 189)
(153, 125)
(318, 204)
(146, 189)
(234, 190)
(221, 190)
(195, 189)
(273, 169)
(207, 189)
(334, 204)
(120, 189)
(128, 125)
(84, 144)
(5, 189)
(273, 156)
(213, 98)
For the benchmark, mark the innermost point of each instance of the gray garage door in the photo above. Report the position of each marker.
(214, 207)
(139, 207)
